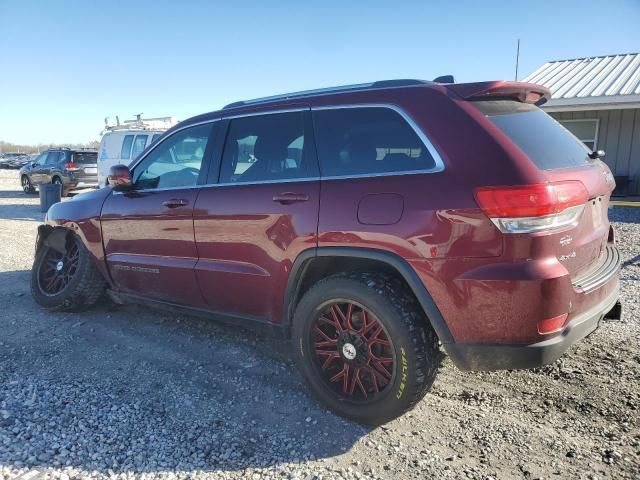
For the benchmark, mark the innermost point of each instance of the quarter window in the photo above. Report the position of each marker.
(265, 147)
(367, 140)
(138, 145)
(176, 162)
(125, 153)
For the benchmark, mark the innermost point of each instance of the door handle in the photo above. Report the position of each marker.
(175, 203)
(289, 197)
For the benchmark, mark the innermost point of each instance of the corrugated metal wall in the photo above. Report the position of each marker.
(619, 137)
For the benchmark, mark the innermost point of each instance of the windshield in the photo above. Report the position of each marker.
(547, 143)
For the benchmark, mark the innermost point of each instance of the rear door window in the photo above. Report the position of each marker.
(125, 153)
(547, 143)
(138, 145)
(266, 148)
(53, 158)
(368, 140)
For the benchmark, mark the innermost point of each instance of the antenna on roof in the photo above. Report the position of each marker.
(139, 117)
(106, 121)
(517, 58)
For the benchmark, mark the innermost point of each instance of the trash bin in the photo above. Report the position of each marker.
(49, 194)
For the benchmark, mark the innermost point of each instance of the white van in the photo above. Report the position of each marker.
(123, 142)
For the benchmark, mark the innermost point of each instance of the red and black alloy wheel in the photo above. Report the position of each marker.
(364, 346)
(353, 351)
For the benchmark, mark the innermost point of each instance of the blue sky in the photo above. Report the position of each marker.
(72, 63)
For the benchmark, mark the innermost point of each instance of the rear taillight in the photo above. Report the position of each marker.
(70, 166)
(531, 208)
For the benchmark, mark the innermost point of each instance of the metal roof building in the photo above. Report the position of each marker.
(598, 99)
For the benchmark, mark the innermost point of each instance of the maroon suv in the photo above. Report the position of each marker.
(367, 223)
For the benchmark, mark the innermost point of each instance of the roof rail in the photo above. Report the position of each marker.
(320, 91)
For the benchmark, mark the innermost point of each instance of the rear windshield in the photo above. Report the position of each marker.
(547, 143)
(85, 157)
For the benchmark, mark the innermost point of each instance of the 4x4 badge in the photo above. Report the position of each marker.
(566, 240)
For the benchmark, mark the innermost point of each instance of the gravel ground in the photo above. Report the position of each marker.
(130, 393)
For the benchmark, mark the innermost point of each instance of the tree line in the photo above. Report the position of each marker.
(6, 147)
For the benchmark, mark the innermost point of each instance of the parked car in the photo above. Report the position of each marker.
(12, 160)
(122, 143)
(71, 168)
(367, 224)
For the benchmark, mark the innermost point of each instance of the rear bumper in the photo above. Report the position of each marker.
(469, 356)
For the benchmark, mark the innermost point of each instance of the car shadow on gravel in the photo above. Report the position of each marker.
(128, 389)
(16, 194)
(21, 212)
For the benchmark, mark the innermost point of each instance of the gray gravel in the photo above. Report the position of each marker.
(130, 393)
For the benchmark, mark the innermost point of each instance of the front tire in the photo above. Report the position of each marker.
(66, 281)
(27, 186)
(365, 346)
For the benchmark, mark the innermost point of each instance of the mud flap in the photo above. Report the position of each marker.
(615, 313)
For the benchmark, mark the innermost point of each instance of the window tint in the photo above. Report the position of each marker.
(138, 145)
(53, 158)
(355, 141)
(266, 147)
(176, 162)
(125, 153)
(540, 137)
(85, 157)
(42, 159)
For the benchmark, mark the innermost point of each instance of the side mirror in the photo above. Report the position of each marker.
(33, 165)
(120, 178)
(596, 155)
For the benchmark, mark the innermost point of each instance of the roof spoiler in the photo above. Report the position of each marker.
(520, 91)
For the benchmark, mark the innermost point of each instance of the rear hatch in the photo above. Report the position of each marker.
(85, 166)
(582, 183)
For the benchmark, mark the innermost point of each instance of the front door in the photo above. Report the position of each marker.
(148, 231)
(251, 226)
(37, 170)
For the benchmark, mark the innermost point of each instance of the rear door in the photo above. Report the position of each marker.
(561, 157)
(148, 232)
(263, 212)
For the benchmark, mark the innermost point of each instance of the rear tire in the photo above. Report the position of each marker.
(27, 186)
(387, 349)
(67, 282)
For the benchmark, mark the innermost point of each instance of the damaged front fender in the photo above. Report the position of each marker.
(51, 237)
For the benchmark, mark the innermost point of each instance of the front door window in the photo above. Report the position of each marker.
(176, 162)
